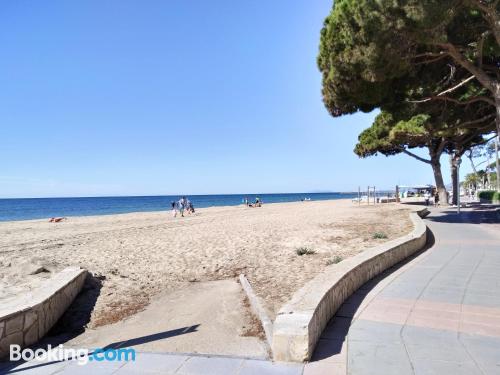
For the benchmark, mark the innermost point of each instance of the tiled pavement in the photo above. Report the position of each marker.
(437, 314)
(162, 363)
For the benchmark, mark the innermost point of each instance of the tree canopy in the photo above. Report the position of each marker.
(373, 52)
(432, 66)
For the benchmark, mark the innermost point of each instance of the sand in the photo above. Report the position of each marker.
(142, 255)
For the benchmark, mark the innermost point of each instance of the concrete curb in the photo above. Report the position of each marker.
(258, 309)
(299, 323)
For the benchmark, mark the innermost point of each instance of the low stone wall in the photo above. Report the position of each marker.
(299, 324)
(25, 320)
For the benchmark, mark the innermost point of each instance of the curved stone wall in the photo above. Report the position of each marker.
(27, 319)
(301, 321)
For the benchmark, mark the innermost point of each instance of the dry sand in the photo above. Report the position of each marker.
(142, 255)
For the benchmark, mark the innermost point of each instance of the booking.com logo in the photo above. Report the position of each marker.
(60, 353)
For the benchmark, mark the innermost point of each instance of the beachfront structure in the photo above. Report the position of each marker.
(415, 190)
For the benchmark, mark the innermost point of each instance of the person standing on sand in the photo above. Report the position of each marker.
(182, 205)
(174, 208)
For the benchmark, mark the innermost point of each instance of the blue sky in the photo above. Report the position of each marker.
(174, 97)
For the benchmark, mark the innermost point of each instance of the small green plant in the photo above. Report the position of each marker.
(379, 235)
(336, 259)
(304, 251)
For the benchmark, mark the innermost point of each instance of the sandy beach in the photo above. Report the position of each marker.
(142, 255)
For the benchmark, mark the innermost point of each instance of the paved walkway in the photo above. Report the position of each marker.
(437, 314)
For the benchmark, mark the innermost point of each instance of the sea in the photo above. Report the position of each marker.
(44, 208)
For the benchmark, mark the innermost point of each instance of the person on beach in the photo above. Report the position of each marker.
(427, 197)
(181, 205)
(56, 219)
(174, 208)
(189, 206)
(258, 202)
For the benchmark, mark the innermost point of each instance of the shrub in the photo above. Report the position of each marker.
(305, 251)
(489, 195)
(336, 259)
(379, 235)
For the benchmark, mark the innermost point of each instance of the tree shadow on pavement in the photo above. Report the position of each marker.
(475, 214)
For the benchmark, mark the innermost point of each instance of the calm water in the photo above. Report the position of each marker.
(42, 208)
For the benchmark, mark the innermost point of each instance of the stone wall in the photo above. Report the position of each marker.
(27, 319)
(301, 321)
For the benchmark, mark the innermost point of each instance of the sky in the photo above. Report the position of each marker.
(123, 97)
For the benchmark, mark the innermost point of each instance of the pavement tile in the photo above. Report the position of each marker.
(94, 368)
(427, 367)
(153, 362)
(210, 366)
(378, 359)
(325, 368)
(484, 319)
(485, 350)
(255, 367)
(452, 352)
(422, 304)
(377, 332)
(433, 322)
(427, 336)
(480, 329)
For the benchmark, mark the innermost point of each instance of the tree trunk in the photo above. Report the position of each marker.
(497, 104)
(498, 163)
(454, 175)
(438, 178)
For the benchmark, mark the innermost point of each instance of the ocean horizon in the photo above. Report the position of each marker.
(15, 209)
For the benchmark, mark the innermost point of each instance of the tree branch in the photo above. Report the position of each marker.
(455, 101)
(473, 122)
(457, 86)
(415, 156)
(479, 73)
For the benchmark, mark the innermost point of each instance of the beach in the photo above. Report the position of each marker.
(138, 256)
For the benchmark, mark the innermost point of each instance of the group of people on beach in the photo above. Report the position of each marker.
(257, 203)
(182, 205)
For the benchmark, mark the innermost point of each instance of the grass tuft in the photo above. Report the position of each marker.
(304, 251)
(379, 235)
(336, 259)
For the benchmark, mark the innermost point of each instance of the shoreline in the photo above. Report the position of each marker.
(18, 209)
(169, 211)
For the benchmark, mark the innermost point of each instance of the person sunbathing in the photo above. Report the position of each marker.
(56, 219)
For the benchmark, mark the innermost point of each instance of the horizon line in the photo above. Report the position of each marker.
(180, 195)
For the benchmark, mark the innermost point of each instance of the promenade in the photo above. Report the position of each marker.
(439, 313)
